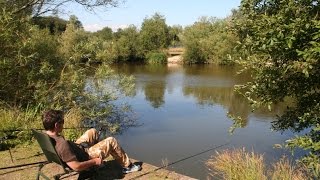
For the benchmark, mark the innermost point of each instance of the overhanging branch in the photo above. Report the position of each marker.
(43, 6)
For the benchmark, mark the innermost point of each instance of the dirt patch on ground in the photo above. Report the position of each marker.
(175, 60)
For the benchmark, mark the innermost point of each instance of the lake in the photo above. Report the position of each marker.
(182, 112)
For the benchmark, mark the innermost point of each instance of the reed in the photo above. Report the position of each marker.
(284, 169)
(238, 164)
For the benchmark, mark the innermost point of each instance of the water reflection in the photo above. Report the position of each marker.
(224, 96)
(154, 93)
(184, 109)
(208, 84)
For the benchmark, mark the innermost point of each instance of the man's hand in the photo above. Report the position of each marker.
(98, 161)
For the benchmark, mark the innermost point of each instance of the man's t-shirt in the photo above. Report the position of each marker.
(69, 151)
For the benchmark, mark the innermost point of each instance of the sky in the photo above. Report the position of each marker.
(176, 12)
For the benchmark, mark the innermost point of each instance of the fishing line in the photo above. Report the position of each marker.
(20, 169)
(180, 160)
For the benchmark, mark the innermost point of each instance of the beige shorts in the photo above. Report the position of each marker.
(104, 148)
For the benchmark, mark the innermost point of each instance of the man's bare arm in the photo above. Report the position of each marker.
(79, 166)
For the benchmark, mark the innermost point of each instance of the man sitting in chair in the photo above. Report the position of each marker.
(87, 151)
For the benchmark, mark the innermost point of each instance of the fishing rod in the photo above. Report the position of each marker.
(10, 136)
(22, 165)
(182, 159)
(19, 130)
(164, 166)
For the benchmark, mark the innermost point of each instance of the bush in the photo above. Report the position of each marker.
(156, 58)
(193, 54)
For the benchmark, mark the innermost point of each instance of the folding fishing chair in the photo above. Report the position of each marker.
(47, 145)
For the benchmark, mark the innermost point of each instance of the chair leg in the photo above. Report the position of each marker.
(56, 177)
(66, 172)
(40, 173)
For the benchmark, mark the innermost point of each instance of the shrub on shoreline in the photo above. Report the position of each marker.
(156, 58)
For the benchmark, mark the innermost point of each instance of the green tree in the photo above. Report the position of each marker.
(75, 22)
(55, 25)
(209, 41)
(127, 45)
(175, 33)
(73, 42)
(124, 46)
(280, 41)
(154, 33)
(118, 33)
(35, 73)
(29, 60)
(193, 38)
(105, 34)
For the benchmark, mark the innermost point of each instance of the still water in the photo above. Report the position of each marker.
(182, 111)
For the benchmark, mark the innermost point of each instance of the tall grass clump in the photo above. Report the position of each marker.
(16, 124)
(284, 169)
(239, 164)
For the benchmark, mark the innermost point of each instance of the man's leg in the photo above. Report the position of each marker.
(110, 146)
(91, 137)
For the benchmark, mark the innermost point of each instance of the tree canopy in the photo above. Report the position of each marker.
(40, 70)
(280, 41)
(54, 24)
(209, 41)
(154, 33)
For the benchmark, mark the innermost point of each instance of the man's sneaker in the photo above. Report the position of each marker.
(131, 168)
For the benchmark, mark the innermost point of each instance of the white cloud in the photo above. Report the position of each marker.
(97, 27)
(93, 27)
